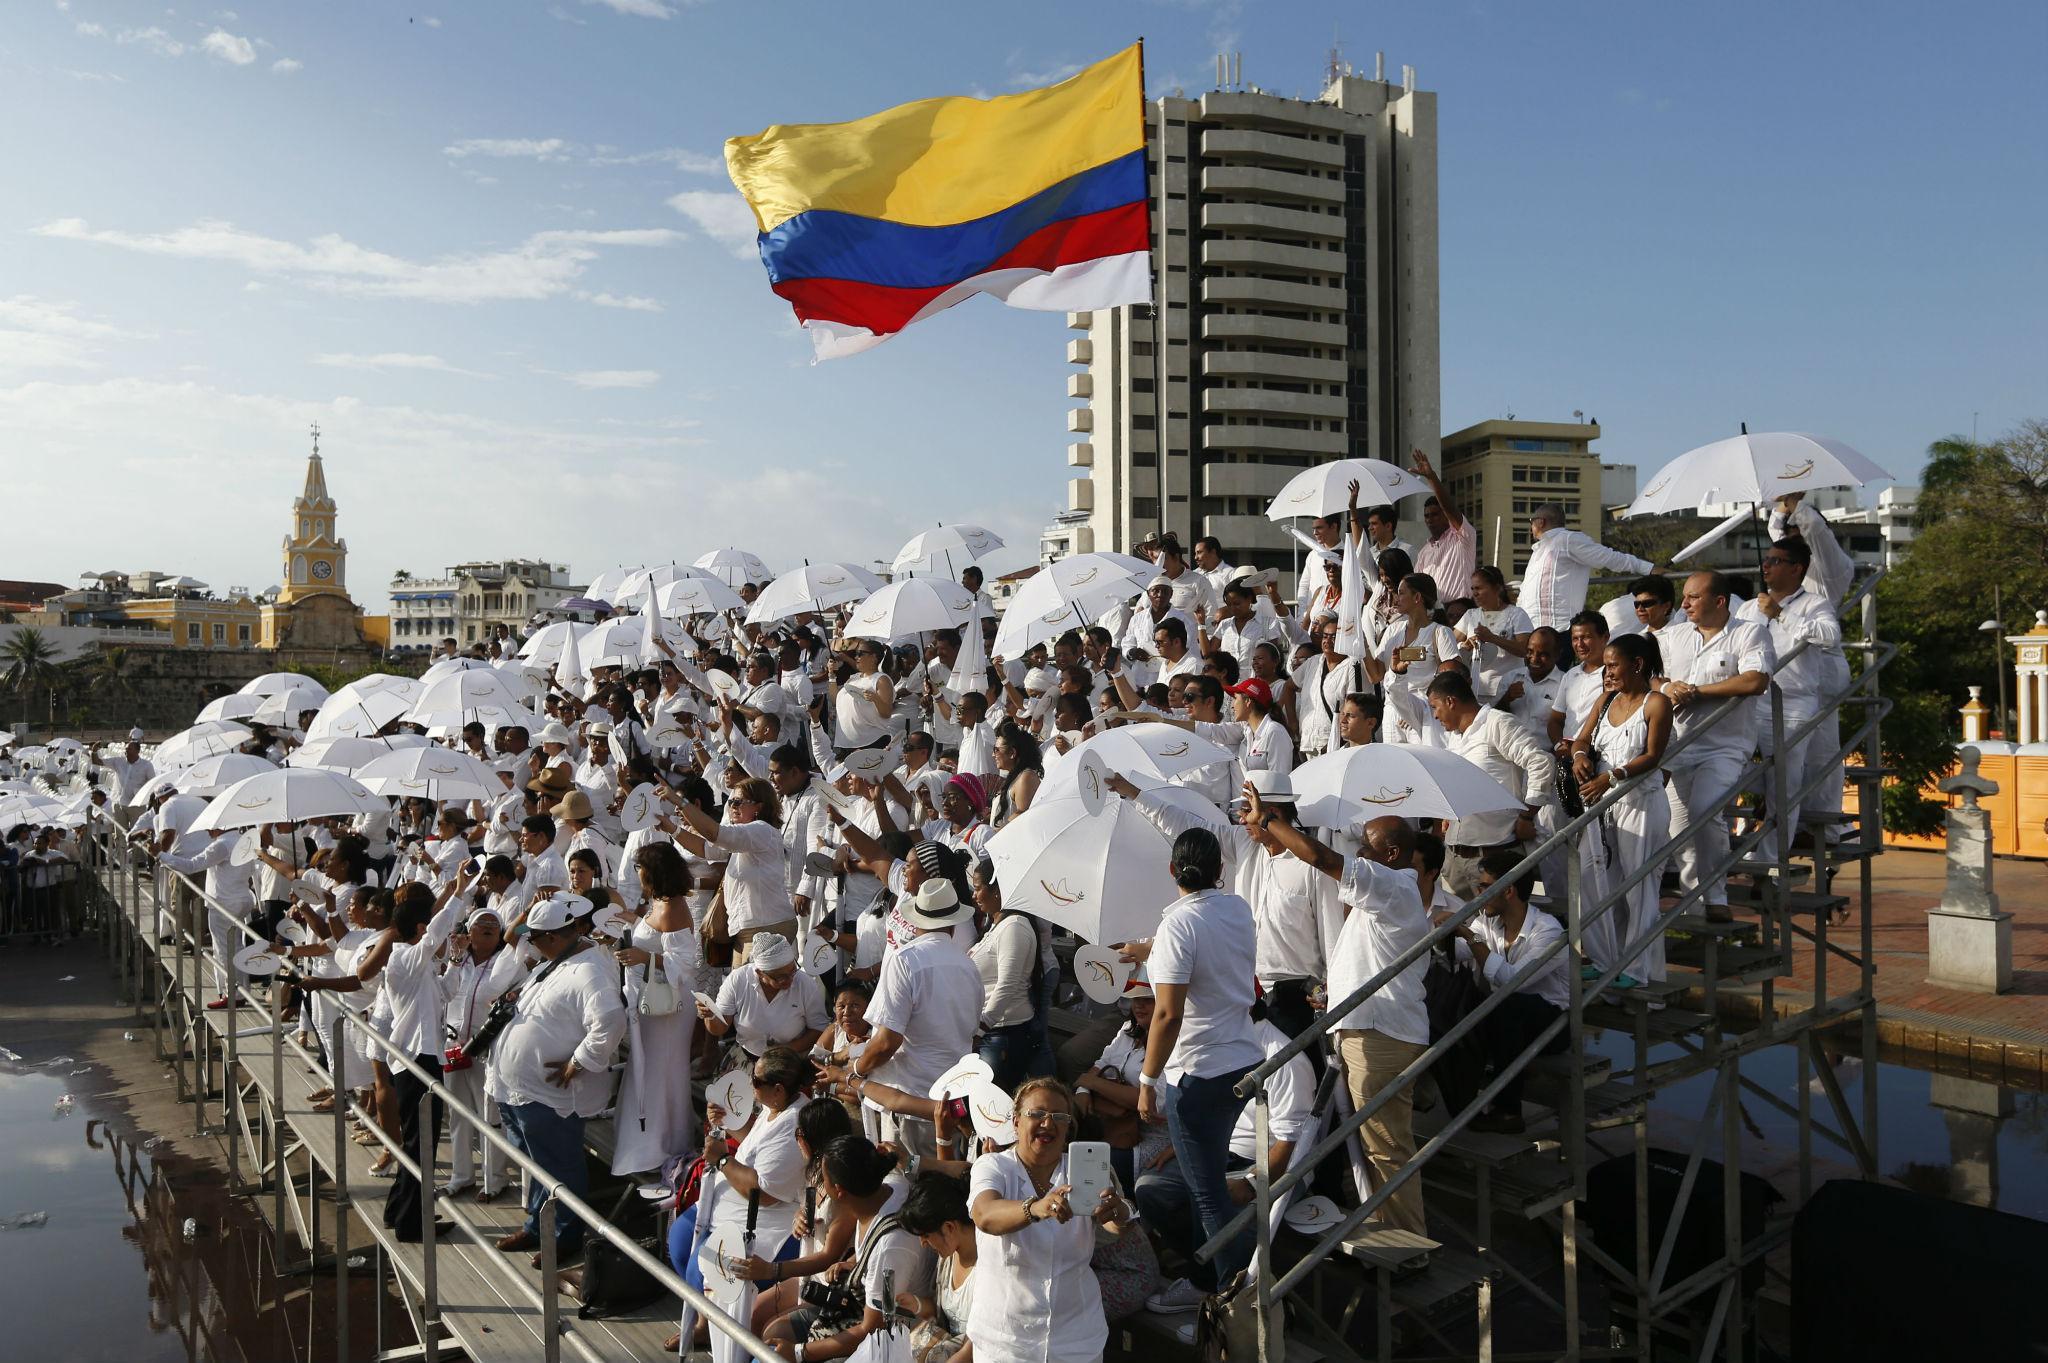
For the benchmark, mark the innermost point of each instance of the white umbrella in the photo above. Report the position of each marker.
(288, 795)
(1325, 489)
(363, 715)
(283, 708)
(270, 683)
(1352, 785)
(149, 788)
(735, 567)
(201, 740)
(606, 584)
(811, 590)
(938, 550)
(544, 648)
(1756, 468)
(240, 705)
(616, 643)
(1101, 875)
(696, 592)
(66, 744)
(431, 773)
(377, 684)
(16, 810)
(914, 605)
(460, 698)
(450, 666)
(1145, 753)
(212, 775)
(1069, 593)
(635, 583)
(346, 752)
(180, 813)
(520, 679)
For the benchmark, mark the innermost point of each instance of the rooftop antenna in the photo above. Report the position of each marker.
(1379, 67)
(1336, 71)
(316, 440)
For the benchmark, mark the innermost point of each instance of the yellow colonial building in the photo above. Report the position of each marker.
(313, 609)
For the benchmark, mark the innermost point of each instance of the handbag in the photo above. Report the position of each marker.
(657, 995)
(613, 1284)
(1227, 1327)
(717, 939)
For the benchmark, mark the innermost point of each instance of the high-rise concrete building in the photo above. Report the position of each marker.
(1497, 472)
(1295, 318)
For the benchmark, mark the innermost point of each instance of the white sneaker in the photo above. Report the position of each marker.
(1185, 1333)
(1178, 1295)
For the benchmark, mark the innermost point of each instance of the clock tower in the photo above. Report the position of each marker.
(315, 559)
(312, 612)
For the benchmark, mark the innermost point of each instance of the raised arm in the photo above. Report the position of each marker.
(1424, 471)
(1293, 840)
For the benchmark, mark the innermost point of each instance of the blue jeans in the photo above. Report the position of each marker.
(1200, 1114)
(1165, 1201)
(1017, 1052)
(683, 1230)
(555, 1143)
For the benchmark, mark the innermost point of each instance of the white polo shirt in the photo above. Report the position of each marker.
(1207, 941)
(930, 994)
(1387, 921)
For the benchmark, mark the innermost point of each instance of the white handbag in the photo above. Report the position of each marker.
(657, 995)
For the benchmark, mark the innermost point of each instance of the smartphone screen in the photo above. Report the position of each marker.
(1088, 1170)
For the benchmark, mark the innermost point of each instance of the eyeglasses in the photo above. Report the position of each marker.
(1770, 560)
(1645, 603)
(1039, 1114)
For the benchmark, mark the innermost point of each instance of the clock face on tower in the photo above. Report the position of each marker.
(322, 569)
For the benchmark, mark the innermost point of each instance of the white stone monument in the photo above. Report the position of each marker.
(1969, 939)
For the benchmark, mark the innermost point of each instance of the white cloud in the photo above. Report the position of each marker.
(98, 77)
(1050, 76)
(610, 378)
(630, 302)
(396, 360)
(155, 39)
(722, 216)
(36, 333)
(694, 162)
(506, 148)
(545, 265)
(92, 30)
(230, 49)
(639, 9)
(284, 66)
(431, 22)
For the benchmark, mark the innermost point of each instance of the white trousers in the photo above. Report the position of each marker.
(468, 1088)
(1700, 793)
(1798, 710)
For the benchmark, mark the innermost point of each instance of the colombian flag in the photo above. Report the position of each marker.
(1038, 198)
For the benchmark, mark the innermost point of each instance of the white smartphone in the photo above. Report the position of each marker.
(1089, 1172)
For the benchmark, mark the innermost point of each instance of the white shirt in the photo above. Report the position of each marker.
(232, 887)
(1386, 919)
(412, 982)
(1264, 746)
(1290, 1096)
(1497, 743)
(1492, 666)
(1576, 696)
(1208, 942)
(1505, 966)
(1803, 618)
(1537, 700)
(1740, 646)
(930, 994)
(1560, 565)
(1138, 634)
(756, 874)
(1036, 1299)
(762, 1022)
(1191, 591)
(1004, 959)
(574, 1013)
(1239, 640)
(978, 748)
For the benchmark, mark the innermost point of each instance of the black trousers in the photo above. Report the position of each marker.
(1504, 1033)
(1289, 1009)
(402, 1204)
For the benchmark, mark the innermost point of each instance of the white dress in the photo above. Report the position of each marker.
(771, 1151)
(1407, 715)
(653, 1123)
(1638, 822)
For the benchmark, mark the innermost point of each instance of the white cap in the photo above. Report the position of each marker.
(1160, 580)
(556, 732)
(771, 951)
(557, 912)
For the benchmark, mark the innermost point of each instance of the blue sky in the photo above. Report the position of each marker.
(489, 246)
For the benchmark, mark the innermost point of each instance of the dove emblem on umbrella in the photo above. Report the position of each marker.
(1796, 470)
(1387, 796)
(1063, 892)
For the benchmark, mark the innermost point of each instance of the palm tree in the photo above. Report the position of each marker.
(109, 676)
(30, 660)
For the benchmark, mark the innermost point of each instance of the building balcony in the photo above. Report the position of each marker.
(1081, 455)
(1251, 326)
(1081, 351)
(1080, 386)
(1253, 182)
(1081, 419)
(1245, 480)
(1247, 254)
(1283, 439)
(1080, 494)
(1267, 220)
(1272, 293)
(1080, 321)
(1254, 364)
(1270, 111)
(1238, 144)
(1277, 401)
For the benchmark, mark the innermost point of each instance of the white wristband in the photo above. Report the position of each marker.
(1149, 1081)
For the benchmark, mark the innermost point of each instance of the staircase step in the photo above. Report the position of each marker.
(1398, 1251)
(1733, 964)
(1773, 898)
(1664, 1024)
(1696, 925)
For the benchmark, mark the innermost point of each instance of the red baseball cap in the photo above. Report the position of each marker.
(1256, 688)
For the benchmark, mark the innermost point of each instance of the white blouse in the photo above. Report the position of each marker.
(1035, 1295)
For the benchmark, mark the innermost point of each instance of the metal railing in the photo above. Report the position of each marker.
(189, 941)
(1304, 1164)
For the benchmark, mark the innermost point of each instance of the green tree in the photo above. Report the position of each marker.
(30, 660)
(1982, 523)
(109, 680)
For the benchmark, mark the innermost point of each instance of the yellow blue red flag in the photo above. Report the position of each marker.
(1038, 198)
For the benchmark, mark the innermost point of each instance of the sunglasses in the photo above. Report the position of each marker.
(1643, 603)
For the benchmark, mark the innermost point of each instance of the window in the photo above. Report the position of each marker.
(220, 634)
(192, 632)
(241, 634)
(1145, 508)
